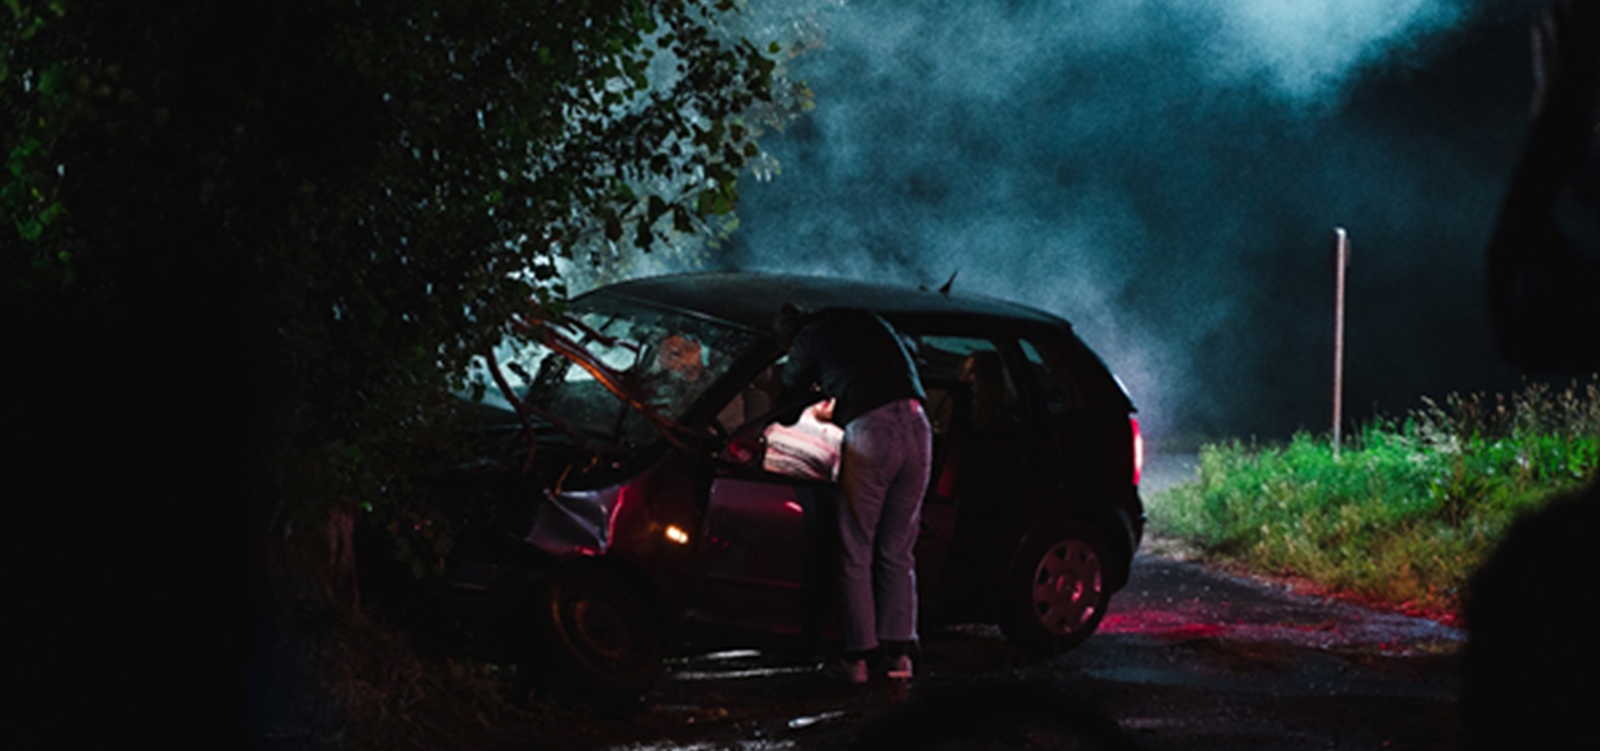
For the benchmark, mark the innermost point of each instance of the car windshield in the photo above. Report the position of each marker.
(658, 358)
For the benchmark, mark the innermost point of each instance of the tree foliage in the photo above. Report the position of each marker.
(365, 191)
(244, 247)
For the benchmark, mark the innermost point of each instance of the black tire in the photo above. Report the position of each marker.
(1056, 592)
(606, 641)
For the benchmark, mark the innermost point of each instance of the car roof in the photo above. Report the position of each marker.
(751, 299)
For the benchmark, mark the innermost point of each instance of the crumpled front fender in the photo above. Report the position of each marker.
(575, 522)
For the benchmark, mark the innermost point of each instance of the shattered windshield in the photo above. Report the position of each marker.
(661, 361)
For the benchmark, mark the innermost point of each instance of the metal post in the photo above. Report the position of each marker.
(1341, 260)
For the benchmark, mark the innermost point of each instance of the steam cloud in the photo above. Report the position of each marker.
(1308, 49)
(1166, 174)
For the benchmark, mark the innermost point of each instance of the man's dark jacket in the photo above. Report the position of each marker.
(856, 357)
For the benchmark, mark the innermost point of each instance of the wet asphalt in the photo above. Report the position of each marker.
(1189, 657)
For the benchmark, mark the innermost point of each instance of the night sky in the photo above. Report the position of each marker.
(1167, 174)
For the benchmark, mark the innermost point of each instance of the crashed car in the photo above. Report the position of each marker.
(636, 482)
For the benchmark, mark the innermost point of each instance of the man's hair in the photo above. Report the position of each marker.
(786, 323)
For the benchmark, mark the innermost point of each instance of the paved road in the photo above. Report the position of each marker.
(1188, 658)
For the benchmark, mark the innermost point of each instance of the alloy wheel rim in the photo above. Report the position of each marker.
(1067, 587)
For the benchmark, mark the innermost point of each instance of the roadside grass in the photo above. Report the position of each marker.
(1410, 508)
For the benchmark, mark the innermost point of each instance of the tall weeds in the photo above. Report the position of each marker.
(1412, 505)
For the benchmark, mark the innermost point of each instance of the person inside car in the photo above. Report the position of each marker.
(991, 399)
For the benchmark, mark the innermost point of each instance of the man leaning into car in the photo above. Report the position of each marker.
(858, 360)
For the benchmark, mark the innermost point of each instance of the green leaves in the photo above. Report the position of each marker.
(613, 224)
(718, 200)
(26, 19)
(50, 82)
(17, 160)
(681, 220)
(396, 180)
(32, 228)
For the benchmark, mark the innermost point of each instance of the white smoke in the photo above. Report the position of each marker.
(1308, 50)
(1141, 167)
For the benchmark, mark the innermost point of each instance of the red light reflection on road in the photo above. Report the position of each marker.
(1382, 632)
(1160, 624)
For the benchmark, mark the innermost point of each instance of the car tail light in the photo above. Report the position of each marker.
(1138, 449)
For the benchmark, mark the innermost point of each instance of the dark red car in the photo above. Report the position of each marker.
(635, 482)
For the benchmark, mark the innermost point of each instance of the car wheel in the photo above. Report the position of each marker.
(606, 641)
(1057, 591)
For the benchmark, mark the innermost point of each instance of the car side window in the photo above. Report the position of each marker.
(754, 401)
(975, 364)
(1055, 391)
